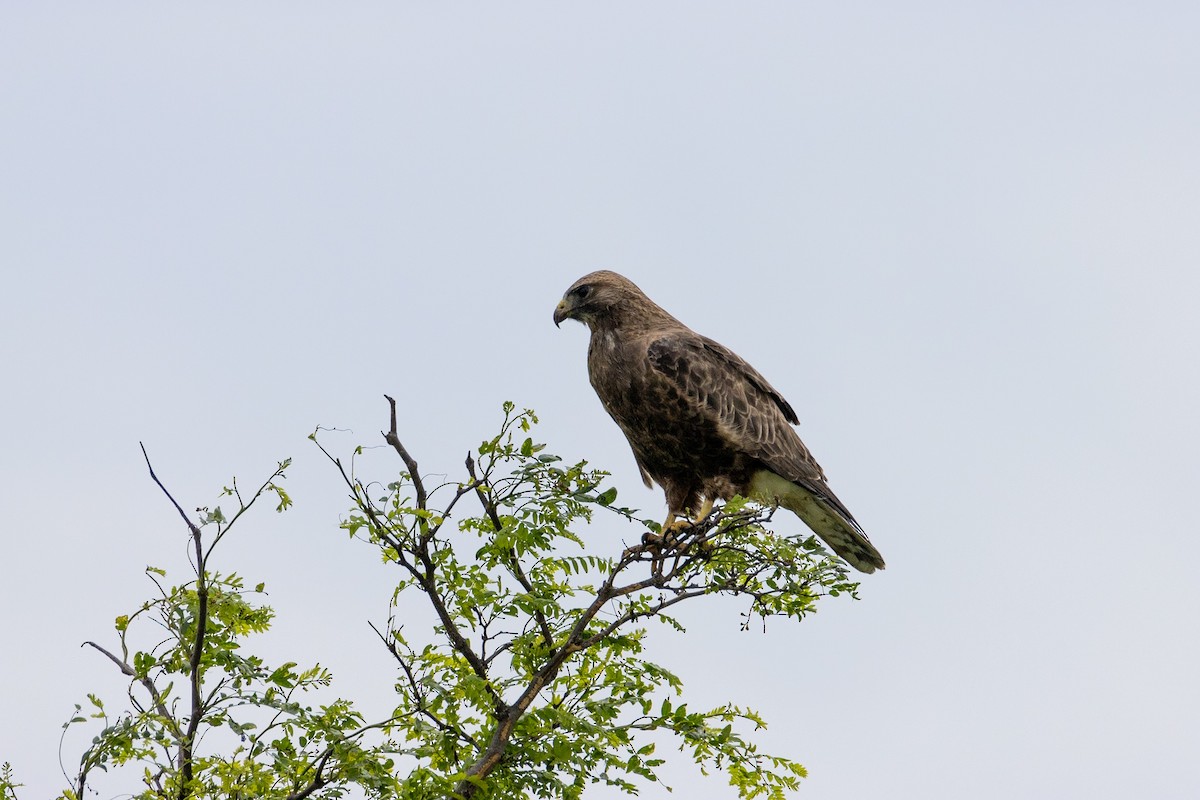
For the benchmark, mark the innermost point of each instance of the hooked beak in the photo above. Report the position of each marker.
(561, 311)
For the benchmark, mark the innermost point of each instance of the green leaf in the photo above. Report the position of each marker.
(143, 663)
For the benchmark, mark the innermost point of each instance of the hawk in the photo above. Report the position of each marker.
(703, 423)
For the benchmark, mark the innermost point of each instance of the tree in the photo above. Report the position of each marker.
(530, 683)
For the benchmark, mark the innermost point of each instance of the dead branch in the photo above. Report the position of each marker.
(392, 438)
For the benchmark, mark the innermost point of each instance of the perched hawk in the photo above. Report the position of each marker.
(703, 423)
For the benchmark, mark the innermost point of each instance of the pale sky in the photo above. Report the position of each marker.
(962, 239)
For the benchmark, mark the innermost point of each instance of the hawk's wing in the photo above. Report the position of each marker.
(750, 413)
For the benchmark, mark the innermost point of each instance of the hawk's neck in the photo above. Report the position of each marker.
(634, 321)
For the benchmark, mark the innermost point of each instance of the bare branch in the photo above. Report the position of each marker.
(128, 670)
(488, 506)
(191, 526)
(392, 438)
(424, 570)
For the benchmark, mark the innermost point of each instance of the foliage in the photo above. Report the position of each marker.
(196, 683)
(8, 784)
(531, 683)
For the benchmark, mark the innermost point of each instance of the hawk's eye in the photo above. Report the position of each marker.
(583, 291)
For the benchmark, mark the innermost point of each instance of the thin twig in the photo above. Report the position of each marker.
(319, 780)
(514, 562)
(191, 526)
(417, 693)
(243, 507)
(429, 585)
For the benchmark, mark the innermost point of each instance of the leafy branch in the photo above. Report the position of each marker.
(531, 681)
(283, 748)
(533, 684)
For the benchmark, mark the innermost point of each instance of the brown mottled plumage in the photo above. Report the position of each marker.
(703, 423)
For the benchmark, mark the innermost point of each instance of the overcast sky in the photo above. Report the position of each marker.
(963, 239)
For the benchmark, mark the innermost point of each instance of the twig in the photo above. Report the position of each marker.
(514, 562)
(191, 526)
(428, 583)
(417, 693)
(319, 780)
(243, 507)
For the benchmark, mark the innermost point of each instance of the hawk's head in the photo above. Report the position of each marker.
(599, 296)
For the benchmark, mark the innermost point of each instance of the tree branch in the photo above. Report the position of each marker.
(508, 720)
(428, 582)
(319, 780)
(514, 563)
(689, 549)
(159, 705)
(191, 526)
(243, 507)
(417, 693)
(392, 438)
(187, 741)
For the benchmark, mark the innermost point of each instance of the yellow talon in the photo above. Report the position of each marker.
(675, 523)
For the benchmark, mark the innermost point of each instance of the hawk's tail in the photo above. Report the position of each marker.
(826, 515)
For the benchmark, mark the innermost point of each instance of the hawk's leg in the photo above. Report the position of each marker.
(677, 523)
(676, 526)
